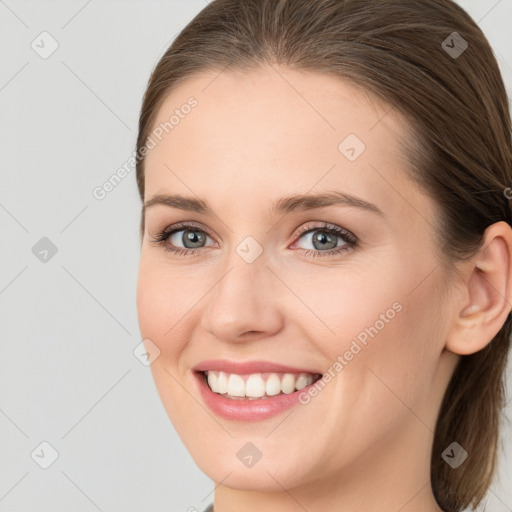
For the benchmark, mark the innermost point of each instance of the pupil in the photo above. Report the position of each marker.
(324, 238)
(193, 237)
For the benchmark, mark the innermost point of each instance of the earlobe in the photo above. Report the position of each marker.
(486, 301)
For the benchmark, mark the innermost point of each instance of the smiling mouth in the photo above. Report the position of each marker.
(256, 386)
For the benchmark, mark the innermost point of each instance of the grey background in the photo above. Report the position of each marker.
(68, 375)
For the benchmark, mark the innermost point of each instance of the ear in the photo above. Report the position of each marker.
(486, 300)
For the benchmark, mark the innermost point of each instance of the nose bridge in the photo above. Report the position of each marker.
(243, 298)
(245, 269)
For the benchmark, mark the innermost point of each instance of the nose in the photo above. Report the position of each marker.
(244, 303)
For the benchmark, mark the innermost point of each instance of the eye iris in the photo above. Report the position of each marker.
(322, 237)
(194, 237)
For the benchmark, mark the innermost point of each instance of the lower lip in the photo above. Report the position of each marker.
(247, 410)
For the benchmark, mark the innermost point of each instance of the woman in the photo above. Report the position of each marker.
(326, 261)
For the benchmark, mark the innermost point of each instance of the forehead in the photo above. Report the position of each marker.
(264, 101)
(276, 130)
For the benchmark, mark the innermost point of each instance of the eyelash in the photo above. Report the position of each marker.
(349, 239)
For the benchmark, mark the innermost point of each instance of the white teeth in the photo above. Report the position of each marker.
(302, 382)
(222, 382)
(255, 385)
(288, 383)
(236, 385)
(212, 380)
(273, 385)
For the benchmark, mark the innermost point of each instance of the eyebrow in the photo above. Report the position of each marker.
(284, 205)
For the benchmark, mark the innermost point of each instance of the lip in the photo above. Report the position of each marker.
(245, 367)
(248, 410)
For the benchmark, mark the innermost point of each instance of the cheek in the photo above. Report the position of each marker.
(400, 338)
(381, 337)
(159, 310)
(161, 297)
(149, 304)
(418, 340)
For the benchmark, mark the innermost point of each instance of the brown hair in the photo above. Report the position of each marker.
(403, 52)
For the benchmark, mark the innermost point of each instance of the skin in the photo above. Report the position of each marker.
(364, 442)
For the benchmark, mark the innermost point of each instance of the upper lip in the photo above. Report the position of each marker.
(246, 367)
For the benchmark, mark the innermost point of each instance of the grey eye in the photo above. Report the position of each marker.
(191, 239)
(322, 239)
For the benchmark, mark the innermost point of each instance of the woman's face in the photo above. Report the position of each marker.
(257, 278)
